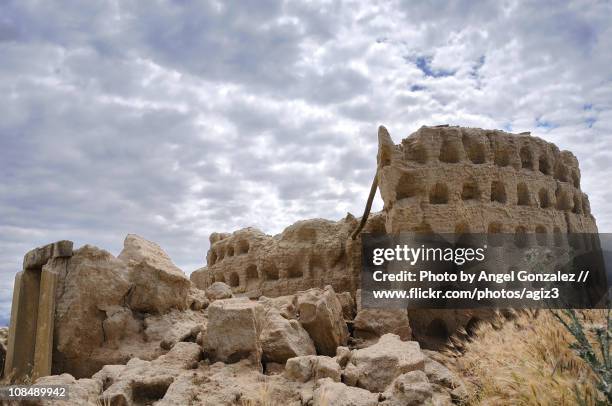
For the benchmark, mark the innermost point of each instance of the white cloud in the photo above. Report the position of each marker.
(174, 120)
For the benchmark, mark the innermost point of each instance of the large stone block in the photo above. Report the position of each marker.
(218, 290)
(320, 313)
(331, 393)
(373, 323)
(409, 389)
(233, 331)
(93, 281)
(375, 367)
(282, 339)
(159, 285)
(312, 367)
(37, 257)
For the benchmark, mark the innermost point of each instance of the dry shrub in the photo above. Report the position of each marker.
(265, 397)
(525, 361)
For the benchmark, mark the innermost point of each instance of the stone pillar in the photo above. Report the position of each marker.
(44, 326)
(22, 331)
(9, 362)
(30, 341)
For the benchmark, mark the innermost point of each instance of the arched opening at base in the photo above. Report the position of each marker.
(437, 330)
(234, 280)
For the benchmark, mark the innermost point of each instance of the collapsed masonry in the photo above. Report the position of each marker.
(77, 310)
(440, 179)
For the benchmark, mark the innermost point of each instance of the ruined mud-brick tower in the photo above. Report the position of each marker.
(458, 180)
(439, 179)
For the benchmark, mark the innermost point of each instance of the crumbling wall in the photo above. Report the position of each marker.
(467, 180)
(453, 179)
(309, 253)
(77, 310)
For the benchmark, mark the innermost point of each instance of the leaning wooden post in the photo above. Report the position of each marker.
(383, 158)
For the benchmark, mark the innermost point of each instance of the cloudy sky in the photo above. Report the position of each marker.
(176, 119)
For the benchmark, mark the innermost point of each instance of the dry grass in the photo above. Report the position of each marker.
(103, 402)
(526, 361)
(323, 399)
(265, 397)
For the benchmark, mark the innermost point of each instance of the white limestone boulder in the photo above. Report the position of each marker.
(320, 313)
(312, 367)
(218, 291)
(331, 393)
(375, 367)
(91, 292)
(282, 339)
(159, 285)
(233, 331)
(409, 389)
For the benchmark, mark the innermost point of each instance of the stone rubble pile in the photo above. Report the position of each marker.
(133, 330)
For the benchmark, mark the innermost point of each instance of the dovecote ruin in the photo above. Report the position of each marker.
(440, 179)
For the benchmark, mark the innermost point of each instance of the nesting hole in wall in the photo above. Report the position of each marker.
(498, 192)
(438, 194)
(437, 329)
(270, 272)
(576, 179)
(541, 237)
(213, 257)
(449, 152)
(522, 194)
(502, 157)
(234, 280)
(475, 150)
(577, 205)
(230, 251)
(418, 153)
(520, 237)
(243, 247)
(407, 187)
(251, 273)
(526, 158)
(544, 166)
(295, 271)
(470, 191)
(563, 200)
(544, 198)
(561, 172)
